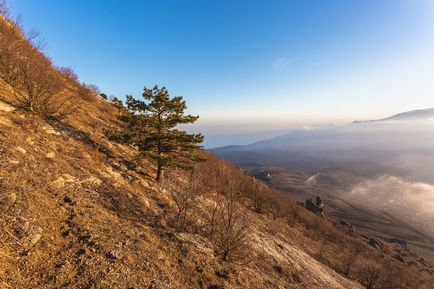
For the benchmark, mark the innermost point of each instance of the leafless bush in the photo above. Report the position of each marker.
(277, 207)
(350, 257)
(184, 193)
(394, 277)
(329, 236)
(255, 191)
(369, 272)
(4, 10)
(230, 235)
(36, 85)
(210, 217)
(68, 73)
(95, 89)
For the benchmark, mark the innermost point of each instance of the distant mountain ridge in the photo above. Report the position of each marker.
(413, 115)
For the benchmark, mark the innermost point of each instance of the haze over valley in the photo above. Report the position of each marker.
(380, 165)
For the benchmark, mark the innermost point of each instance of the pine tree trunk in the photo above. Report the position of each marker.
(159, 172)
(159, 165)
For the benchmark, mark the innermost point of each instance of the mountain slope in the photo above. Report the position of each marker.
(413, 115)
(75, 213)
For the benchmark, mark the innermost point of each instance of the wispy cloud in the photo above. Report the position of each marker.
(309, 66)
(283, 62)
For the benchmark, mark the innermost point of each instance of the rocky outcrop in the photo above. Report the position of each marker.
(6, 107)
(376, 243)
(316, 207)
(348, 226)
(401, 242)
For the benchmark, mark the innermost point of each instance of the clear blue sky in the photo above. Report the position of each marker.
(250, 65)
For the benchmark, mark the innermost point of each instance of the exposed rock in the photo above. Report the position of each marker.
(30, 141)
(316, 208)
(201, 243)
(349, 226)
(50, 130)
(6, 107)
(35, 238)
(13, 197)
(376, 243)
(92, 181)
(21, 150)
(399, 258)
(397, 241)
(5, 121)
(63, 180)
(50, 155)
(319, 202)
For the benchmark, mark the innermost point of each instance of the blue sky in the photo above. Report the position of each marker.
(250, 66)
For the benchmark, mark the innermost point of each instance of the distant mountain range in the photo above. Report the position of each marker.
(413, 115)
(404, 141)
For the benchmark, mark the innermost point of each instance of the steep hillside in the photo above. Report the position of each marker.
(78, 211)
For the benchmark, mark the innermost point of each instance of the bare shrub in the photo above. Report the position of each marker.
(184, 193)
(230, 235)
(401, 278)
(255, 191)
(350, 257)
(36, 85)
(68, 73)
(4, 10)
(260, 196)
(369, 272)
(329, 236)
(95, 89)
(277, 207)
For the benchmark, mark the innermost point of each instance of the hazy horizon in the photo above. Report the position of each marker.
(232, 131)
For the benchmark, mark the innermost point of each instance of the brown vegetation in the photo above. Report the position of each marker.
(37, 86)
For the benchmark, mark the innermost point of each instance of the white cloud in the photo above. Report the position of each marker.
(309, 66)
(283, 62)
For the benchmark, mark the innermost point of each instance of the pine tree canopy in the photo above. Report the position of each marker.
(151, 126)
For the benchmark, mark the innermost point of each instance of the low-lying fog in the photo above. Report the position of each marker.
(413, 202)
(395, 158)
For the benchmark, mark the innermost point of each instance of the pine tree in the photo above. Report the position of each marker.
(151, 126)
